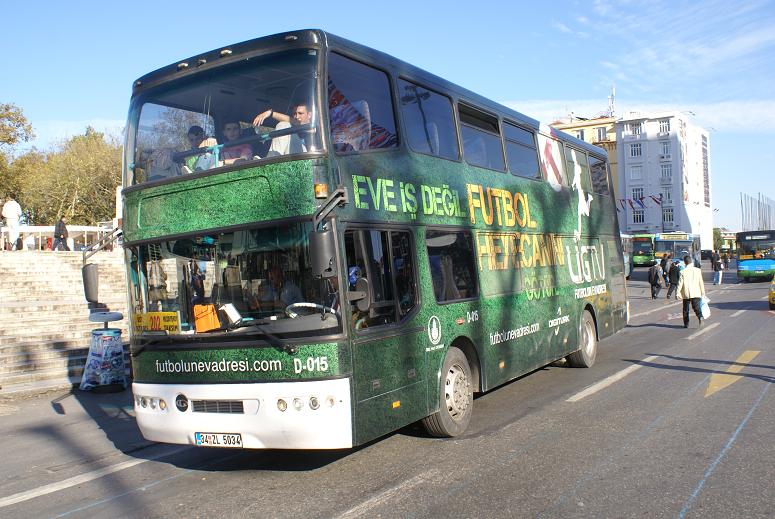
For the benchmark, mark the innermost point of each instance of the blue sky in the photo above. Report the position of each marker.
(68, 65)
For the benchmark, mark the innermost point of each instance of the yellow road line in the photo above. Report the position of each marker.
(720, 381)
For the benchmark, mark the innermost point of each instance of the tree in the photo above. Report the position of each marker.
(14, 127)
(78, 180)
(718, 241)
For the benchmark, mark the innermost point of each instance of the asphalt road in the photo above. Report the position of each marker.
(670, 422)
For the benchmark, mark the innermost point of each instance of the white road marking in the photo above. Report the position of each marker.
(738, 313)
(594, 388)
(78, 480)
(765, 298)
(704, 330)
(655, 310)
(377, 500)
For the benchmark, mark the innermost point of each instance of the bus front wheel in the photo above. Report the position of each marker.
(585, 356)
(456, 397)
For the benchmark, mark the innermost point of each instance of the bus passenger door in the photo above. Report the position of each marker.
(387, 346)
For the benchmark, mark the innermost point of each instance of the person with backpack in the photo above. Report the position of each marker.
(665, 265)
(655, 280)
(674, 276)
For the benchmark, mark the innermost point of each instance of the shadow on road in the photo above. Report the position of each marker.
(692, 369)
(710, 361)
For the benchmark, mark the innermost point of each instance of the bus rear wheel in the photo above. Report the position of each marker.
(456, 397)
(585, 356)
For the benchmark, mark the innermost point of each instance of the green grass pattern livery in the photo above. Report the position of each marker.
(452, 273)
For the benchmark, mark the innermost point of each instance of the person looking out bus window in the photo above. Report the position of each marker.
(198, 139)
(287, 143)
(240, 152)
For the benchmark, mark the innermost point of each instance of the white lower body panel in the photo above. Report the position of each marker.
(262, 425)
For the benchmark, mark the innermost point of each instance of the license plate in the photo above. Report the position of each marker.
(233, 441)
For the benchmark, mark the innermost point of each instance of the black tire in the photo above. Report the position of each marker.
(456, 397)
(587, 352)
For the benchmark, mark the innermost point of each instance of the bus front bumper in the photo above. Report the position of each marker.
(270, 415)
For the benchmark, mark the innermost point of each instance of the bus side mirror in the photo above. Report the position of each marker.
(322, 253)
(90, 273)
(361, 294)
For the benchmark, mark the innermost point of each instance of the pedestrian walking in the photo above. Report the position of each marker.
(667, 260)
(655, 280)
(12, 212)
(60, 234)
(691, 289)
(725, 260)
(674, 277)
(718, 267)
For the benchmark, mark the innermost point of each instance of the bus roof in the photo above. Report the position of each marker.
(316, 37)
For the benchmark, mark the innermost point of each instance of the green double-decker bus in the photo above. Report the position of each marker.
(324, 244)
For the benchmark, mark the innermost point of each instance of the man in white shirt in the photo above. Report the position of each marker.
(691, 289)
(12, 212)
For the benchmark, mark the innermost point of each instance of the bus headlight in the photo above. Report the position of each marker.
(298, 404)
(282, 405)
(314, 403)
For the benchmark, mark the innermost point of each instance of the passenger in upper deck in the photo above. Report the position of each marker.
(232, 154)
(293, 143)
(198, 139)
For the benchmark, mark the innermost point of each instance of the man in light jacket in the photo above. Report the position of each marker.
(691, 288)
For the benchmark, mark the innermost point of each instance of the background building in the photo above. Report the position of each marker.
(600, 131)
(664, 175)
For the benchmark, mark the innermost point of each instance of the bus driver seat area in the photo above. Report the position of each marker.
(350, 126)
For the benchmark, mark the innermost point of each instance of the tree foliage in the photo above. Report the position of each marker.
(718, 241)
(77, 180)
(14, 127)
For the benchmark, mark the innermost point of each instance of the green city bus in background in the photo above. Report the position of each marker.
(369, 248)
(643, 250)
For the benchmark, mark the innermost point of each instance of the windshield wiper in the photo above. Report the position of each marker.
(272, 339)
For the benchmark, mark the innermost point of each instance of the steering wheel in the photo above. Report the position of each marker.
(290, 313)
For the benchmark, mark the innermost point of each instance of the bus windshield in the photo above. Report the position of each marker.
(225, 282)
(642, 248)
(756, 249)
(260, 108)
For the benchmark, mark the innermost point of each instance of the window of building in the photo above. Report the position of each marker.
(360, 107)
(602, 134)
(664, 125)
(599, 172)
(666, 171)
(665, 147)
(637, 193)
(521, 153)
(636, 128)
(481, 138)
(638, 216)
(635, 150)
(430, 124)
(667, 215)
(580, 134)
(636, 173)
(453, 267)
(667, 194)
(385, 259)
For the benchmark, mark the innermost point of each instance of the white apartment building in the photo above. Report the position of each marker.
(664, 156)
